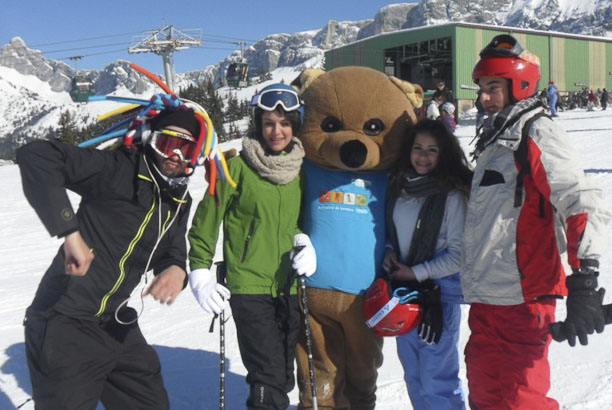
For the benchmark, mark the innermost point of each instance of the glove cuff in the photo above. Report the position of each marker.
(587, 267)
(199, 276)
(589, 263)
(301, 239)
(579, 281)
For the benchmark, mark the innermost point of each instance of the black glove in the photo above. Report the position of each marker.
(430, 328)
(584, 309)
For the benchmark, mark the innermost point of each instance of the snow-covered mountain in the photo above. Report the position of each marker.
(589, 17)
(29, 109)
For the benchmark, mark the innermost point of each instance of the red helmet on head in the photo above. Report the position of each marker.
(391, 312)
(504, 57)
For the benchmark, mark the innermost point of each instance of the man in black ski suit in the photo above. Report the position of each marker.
(83, 344)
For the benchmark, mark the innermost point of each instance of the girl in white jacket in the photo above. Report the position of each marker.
(425, 218)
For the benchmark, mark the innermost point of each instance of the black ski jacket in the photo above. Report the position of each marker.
(125, 209)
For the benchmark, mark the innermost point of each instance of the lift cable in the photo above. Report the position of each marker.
(83, 39)
(124, 50)
(42, 53)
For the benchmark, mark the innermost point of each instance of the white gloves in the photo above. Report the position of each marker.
(211, 295)
(304, 261)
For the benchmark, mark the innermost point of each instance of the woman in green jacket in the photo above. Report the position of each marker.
(260, 229)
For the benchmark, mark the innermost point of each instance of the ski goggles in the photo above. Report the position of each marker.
(506, 46)
(168, 143)
(502, 45)
(270, 99)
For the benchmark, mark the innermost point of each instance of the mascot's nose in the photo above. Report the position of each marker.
(353, 153)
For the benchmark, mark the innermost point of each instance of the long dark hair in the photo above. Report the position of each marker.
(452, 171)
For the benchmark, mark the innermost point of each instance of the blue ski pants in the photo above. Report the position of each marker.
(432, 371)
(552, 101)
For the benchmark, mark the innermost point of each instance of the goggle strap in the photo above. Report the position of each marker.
(405, 295)
(176, 134)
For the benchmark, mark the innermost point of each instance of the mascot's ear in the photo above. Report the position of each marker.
(306, 77)
(414, 92)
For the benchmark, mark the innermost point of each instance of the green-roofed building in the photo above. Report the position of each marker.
(448, 52)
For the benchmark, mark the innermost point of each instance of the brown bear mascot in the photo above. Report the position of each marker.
(354, 122)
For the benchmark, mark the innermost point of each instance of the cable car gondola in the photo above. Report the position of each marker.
(81, 89)
(237, 75)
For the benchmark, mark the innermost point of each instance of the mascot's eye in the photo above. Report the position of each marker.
(373, 127)
(331, 124)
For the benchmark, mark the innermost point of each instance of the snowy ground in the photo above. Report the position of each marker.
(581, 376)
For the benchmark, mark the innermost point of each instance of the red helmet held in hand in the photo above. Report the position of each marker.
(392, 312)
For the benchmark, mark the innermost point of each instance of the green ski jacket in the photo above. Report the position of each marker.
(260, 219)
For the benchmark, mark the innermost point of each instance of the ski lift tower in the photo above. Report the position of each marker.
(165, 42)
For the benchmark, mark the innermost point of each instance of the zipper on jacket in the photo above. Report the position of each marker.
(165, 226)
(248, 239)
(125, 257)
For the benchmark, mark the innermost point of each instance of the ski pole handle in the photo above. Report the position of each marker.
(221, 272)
(296, 250)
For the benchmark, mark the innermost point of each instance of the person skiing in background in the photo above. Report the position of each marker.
(83, 345)
(591, 100)
(260, 229)
(528, 188)
(598, 97)
(553, 95)
(430, 185)
(604, 99)
(447, 112)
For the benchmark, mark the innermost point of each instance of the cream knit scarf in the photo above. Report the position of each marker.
(276, 168)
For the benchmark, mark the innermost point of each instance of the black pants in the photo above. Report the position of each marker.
(75, 363)
(267, 330)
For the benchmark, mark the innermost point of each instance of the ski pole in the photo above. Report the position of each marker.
(313, 386)
(221, 270)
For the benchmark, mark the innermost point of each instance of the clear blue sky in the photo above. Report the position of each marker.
(114, 23)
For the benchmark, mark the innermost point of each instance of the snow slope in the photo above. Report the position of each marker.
(581, 376)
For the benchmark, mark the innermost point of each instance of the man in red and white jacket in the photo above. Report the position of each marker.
(530, 202)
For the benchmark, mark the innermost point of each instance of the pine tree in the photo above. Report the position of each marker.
(67, 130)
(96, 128)
(233, 111)
(245, 106)
(214, 106)
(251, 121)
(233, 131)
(193, 93)
(206, 95)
